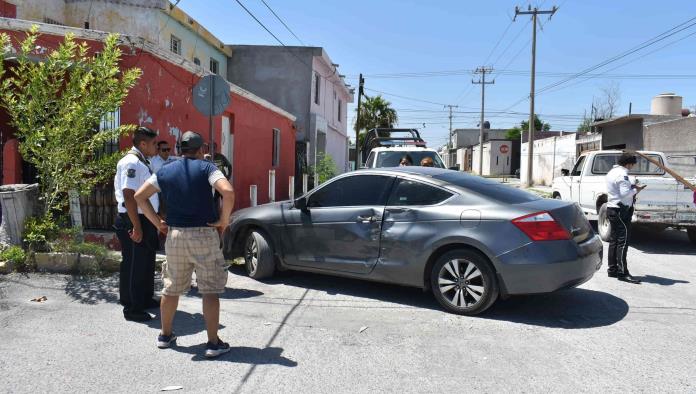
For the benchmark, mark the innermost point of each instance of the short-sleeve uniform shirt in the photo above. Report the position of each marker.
(131, 173)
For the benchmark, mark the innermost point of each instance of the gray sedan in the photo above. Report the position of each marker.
(467, 239)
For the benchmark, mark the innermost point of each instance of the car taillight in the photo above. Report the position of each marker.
(541, 226)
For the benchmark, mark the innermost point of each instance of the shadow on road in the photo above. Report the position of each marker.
(241, 355)
(185, 323)
(332, 285)
(658, 280)
(91, 290)
(229, 294)
(665, 242)
(570, 309)
(574, 308)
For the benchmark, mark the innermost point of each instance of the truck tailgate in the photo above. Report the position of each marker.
(665, 200)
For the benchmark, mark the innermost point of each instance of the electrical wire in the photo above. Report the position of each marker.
(281, 21)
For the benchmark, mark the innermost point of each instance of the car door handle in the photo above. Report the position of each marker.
(398, 210)
(366, 219)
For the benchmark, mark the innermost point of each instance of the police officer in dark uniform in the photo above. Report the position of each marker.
(138, 237)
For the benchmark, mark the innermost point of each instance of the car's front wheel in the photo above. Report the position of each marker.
(603, 224)
(464, 282)
(258, 256)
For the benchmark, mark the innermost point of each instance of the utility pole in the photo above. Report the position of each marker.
(450, 121)
(450, 146)
(530, 141)
(482, 81)
(358, 160)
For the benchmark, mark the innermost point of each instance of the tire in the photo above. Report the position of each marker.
(691, 232)
(603, 224)
(258, 256)
(446, 278)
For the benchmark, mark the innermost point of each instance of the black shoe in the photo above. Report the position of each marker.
(139, 316)
(153, 303)
(628, 279)
(612, 274)
(215, 350)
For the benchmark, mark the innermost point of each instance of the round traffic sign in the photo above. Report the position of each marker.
(211, 95)
(504, 149)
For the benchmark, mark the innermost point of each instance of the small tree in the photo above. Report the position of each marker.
(56, 105)
(516, 132)
(326, 168)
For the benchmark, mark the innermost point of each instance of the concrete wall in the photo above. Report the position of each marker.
(279, 75)
(495, 161)
(675, 138)
(463, 138)
(628, 133)
(550, 156)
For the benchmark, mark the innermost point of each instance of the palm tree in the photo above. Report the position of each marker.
(375, 112)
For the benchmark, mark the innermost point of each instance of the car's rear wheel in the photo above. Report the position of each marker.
(603, 223)
(464, 282)
(258, 256)
(691, 232)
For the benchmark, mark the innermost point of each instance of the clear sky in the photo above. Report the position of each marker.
(438, 42)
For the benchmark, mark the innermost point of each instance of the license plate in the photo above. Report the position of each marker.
(686, 216)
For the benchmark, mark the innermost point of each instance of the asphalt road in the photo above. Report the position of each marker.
(302, 333)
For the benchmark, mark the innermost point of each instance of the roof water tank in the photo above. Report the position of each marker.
(666, 104)
(486, 125)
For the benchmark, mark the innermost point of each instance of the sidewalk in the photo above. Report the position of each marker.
(541, 190)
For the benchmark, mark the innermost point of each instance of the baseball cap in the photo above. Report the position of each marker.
(191, 140)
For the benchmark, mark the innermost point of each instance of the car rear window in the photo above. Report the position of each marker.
(392, 158)
(488, 189)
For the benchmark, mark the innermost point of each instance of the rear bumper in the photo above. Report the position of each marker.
(543, 267)
(666, 218)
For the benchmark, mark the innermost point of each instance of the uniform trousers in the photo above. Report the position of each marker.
(620, 219)
(137, 281)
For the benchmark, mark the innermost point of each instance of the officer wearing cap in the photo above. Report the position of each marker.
(622, 193)
(137, 235)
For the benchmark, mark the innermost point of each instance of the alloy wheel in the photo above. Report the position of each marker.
(251, 254)
(461, 283)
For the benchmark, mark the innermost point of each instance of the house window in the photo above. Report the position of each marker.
(214, 66)
(340, 110)
(175, 44)
(196, 61)
(110, 121)
(317, 88)
(276, 148)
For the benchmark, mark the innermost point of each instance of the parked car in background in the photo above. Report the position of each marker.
(663, 203)
(467, 239)
(385, 147)
(391, 156)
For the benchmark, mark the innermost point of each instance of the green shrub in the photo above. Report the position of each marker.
(16, 255)
(39, 232)
(90, 249)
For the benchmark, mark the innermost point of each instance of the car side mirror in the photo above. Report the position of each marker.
(565, 172)
(301, 204)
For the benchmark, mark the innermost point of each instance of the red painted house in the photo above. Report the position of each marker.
(254, 134)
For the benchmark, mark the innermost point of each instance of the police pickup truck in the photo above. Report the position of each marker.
(663, 203)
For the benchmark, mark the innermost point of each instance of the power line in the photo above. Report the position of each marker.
(405, 97)
(281, 21)
(669, 33)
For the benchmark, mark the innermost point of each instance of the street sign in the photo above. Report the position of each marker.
(504, 149)
(211, 95)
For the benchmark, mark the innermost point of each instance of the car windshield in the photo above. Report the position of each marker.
(603, 163)
(392, 158)
(487, 188)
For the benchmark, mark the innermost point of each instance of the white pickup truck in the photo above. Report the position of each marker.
(663, 203)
